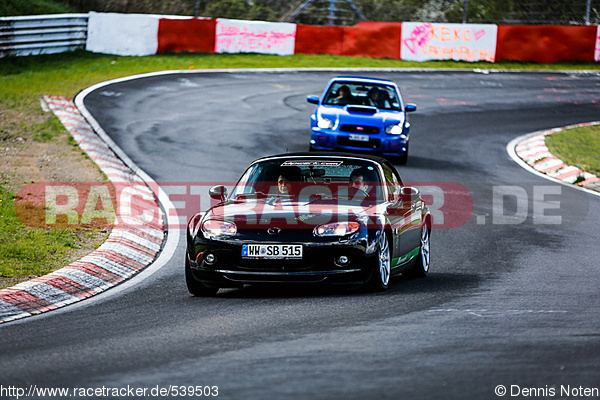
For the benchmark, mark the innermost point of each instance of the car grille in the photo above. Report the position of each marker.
(371, 144)
(359, 128)
(275, 264)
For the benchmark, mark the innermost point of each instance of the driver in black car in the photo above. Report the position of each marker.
(357, 180)
(362, 181)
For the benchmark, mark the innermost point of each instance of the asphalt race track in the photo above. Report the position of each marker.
(512, 298)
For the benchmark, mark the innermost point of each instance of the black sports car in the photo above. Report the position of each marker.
(310, 218)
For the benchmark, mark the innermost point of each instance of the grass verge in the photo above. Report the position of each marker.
(578, 146)
(32, 7)
(28, 252)
(36, 147)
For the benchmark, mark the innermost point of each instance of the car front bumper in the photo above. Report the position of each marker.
(392, 145)
(319, 264)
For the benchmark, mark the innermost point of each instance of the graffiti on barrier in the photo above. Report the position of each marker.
(597, 51)
(461, 42)
(254, 37)
(419, 36)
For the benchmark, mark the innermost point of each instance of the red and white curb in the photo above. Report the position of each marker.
(126, 251)
(531, 151)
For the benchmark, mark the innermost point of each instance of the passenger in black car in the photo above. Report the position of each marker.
(287, 176)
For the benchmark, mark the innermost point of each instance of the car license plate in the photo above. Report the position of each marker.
(272, 251)
(359, 138)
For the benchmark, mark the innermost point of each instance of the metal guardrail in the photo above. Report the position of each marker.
(42, 34)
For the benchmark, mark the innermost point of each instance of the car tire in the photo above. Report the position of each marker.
(380, 279)
(421, 268)
(196, 288)
(403, 159)
(400, 160)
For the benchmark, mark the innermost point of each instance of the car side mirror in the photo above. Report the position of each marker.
(410, 107)
(312, 99)
(407, 195)
(218, 192)
(409, 191)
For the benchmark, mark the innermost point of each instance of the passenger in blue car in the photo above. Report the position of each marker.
(343, 96)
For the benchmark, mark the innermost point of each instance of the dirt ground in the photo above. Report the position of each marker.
(24, 160)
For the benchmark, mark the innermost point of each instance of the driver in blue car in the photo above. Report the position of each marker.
(377, 97)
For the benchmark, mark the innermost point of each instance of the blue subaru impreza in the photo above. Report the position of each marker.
(361, 114)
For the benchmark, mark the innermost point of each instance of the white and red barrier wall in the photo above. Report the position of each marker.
(135, 34)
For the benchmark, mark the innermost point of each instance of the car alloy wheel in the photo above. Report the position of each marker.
(421, 267)
(381, 275)
(424, 253)
(384, 260)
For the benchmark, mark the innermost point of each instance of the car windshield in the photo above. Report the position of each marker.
(356, 93)
(309, 179)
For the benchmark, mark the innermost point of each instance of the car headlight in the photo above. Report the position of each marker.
(215, 227)
(324, 123)
(336, 229)
(394, 129)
